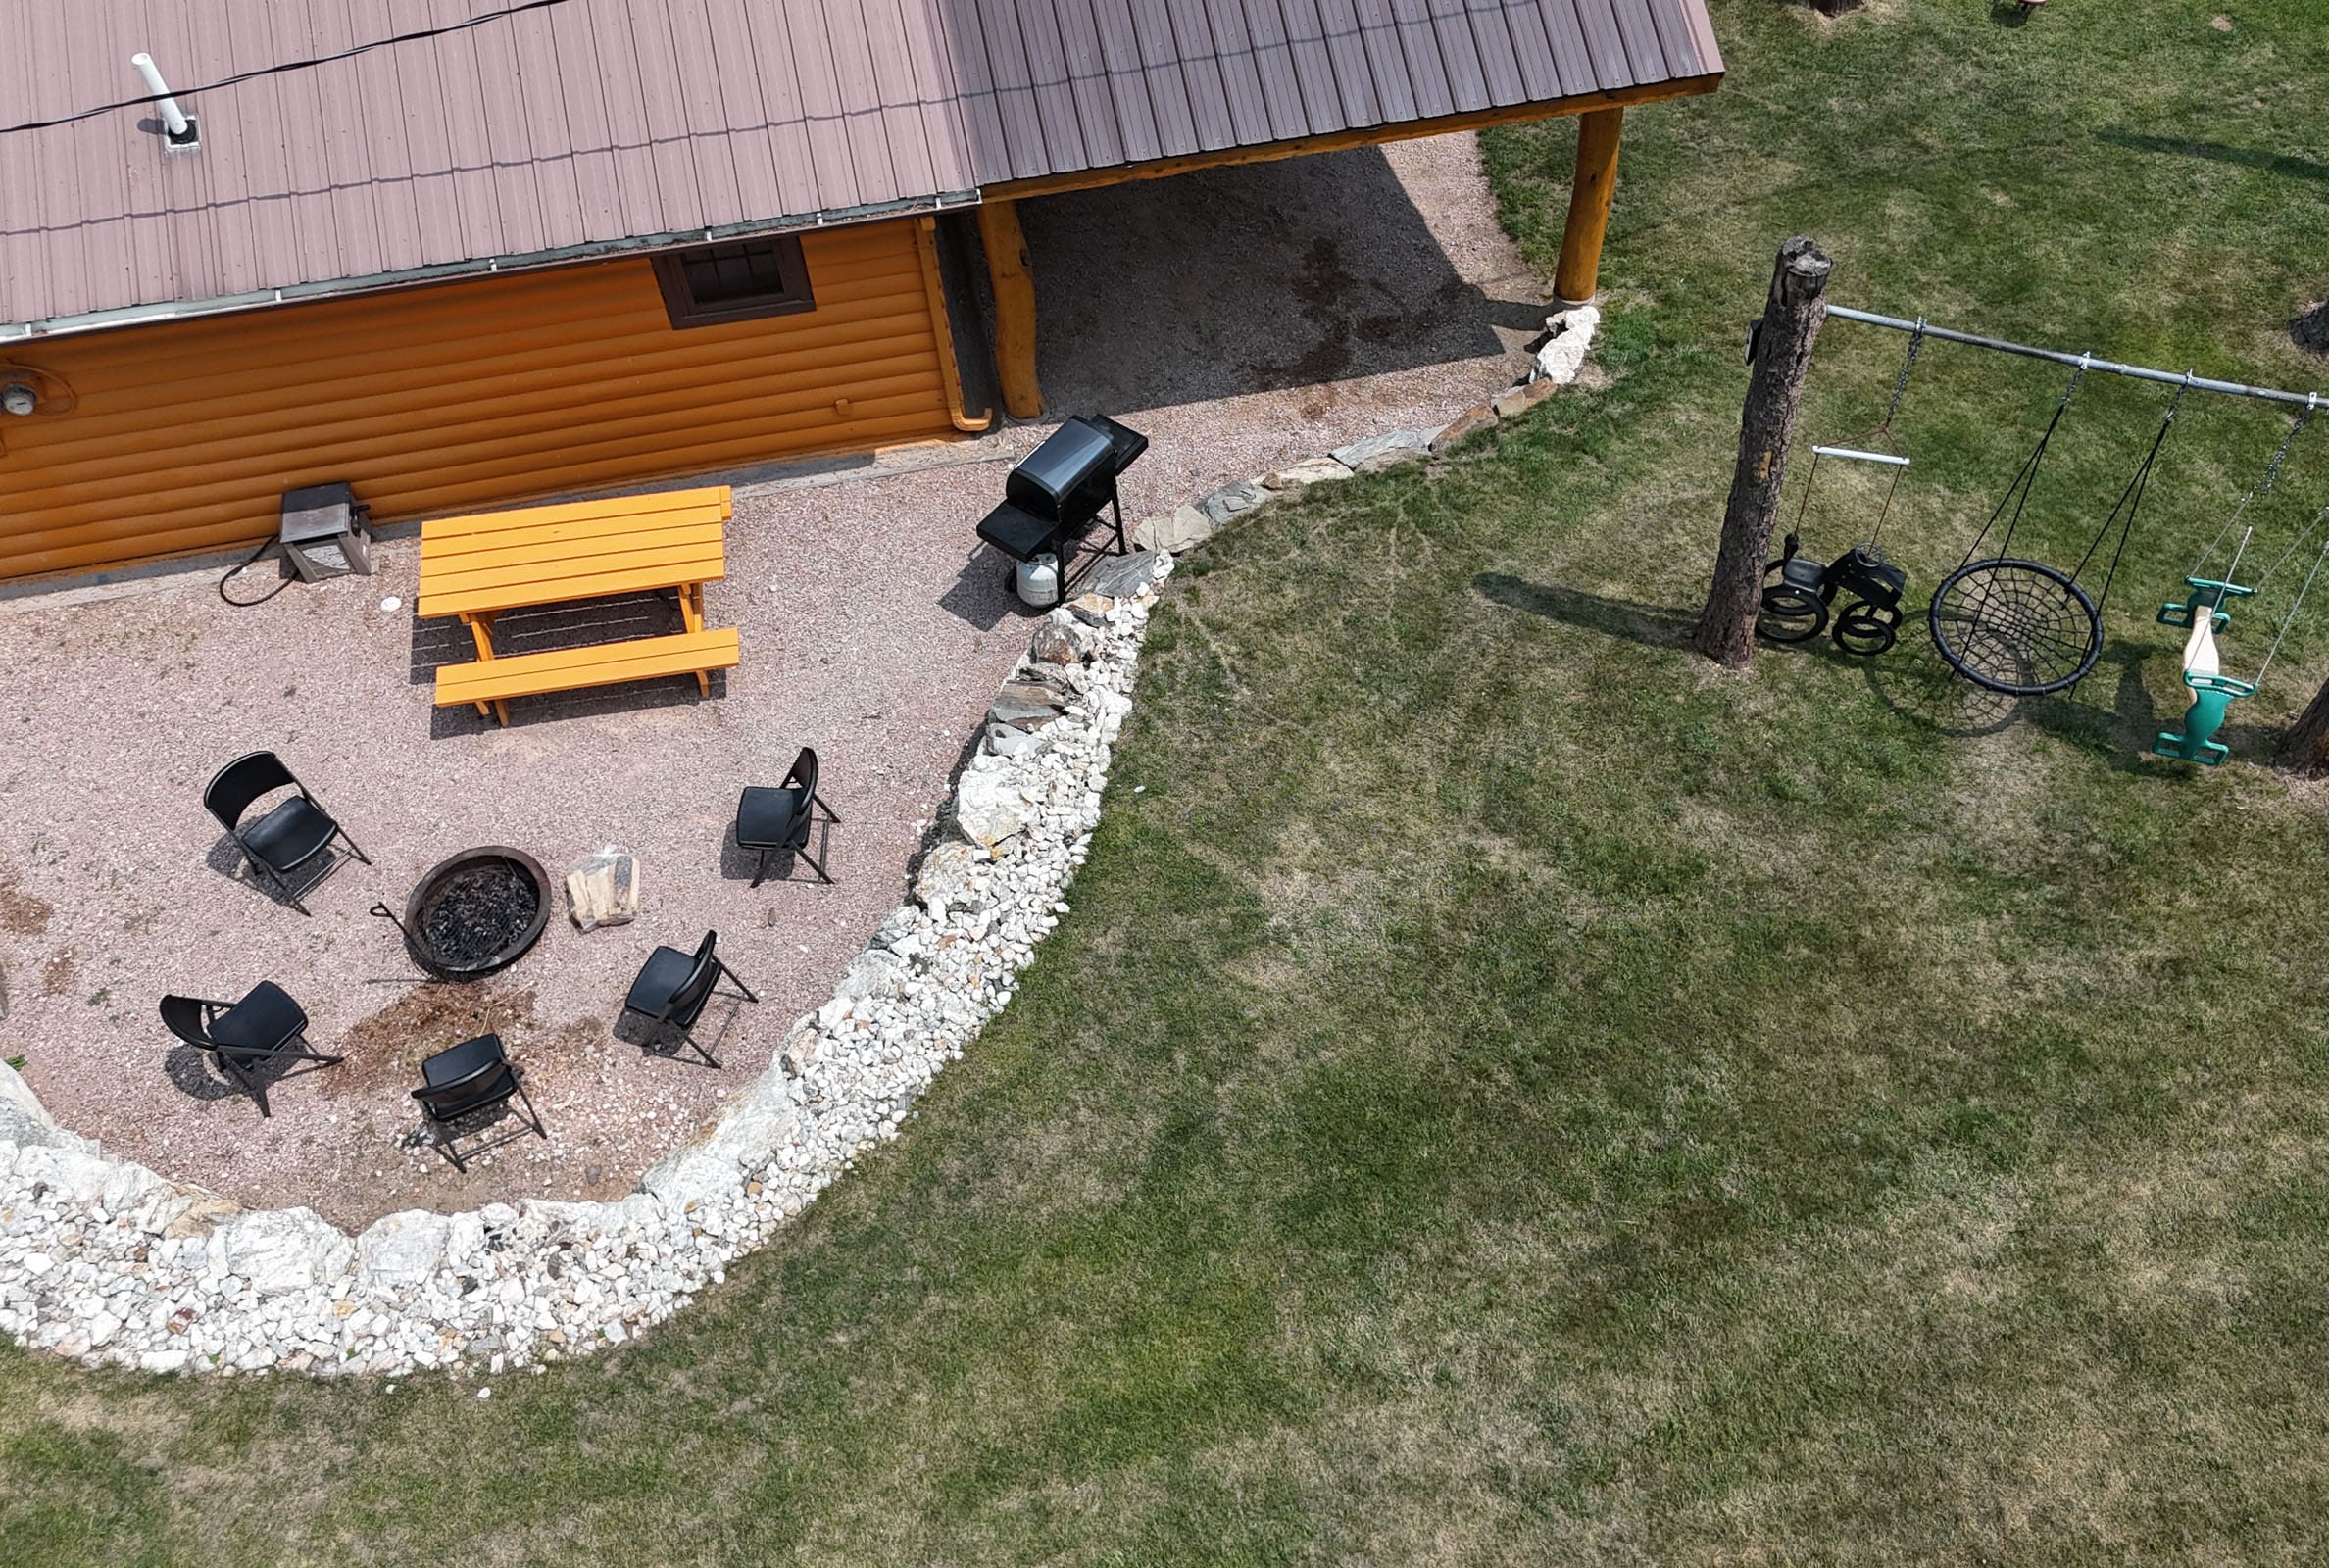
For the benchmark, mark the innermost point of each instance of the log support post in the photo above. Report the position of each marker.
(2305, 745)
(1011, 273)
(1597, 134)
(1780, 353)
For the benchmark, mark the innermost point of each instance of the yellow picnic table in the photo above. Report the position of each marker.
(479, 565)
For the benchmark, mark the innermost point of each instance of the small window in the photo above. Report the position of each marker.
(735, 281)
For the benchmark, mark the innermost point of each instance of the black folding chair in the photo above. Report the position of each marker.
(771, 821)
(673, 987)
(464, 1079)
(293, 833)
(265, 1027)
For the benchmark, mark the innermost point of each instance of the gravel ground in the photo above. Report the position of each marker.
(1282, 309)
(1271, 326)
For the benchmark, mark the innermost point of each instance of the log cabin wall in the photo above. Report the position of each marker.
(182, 436)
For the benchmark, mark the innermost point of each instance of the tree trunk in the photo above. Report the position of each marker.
(2305, 747)
(2311, 330)
(1782, 357)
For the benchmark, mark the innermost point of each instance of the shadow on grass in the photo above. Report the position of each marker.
(1917, 684)
(2216, 152)
(1661, 627)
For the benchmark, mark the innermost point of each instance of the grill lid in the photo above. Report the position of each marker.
(1068, 477)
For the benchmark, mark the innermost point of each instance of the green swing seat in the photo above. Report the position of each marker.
(2212, 691)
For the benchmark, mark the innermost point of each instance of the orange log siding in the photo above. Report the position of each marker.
(457, 397)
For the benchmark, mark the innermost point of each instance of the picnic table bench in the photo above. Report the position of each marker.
(479, 565)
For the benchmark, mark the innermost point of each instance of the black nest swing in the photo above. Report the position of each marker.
(2023, 627)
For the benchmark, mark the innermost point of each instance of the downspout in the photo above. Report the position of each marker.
(925, 244)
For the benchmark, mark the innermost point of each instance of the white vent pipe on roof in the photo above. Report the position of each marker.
(173, 117)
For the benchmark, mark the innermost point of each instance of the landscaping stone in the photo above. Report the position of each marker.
(24, 1119)
(1564, 353)
(402, 1249)
(1307, 472)
(1378, 452)
(1470, 422)
(1023, 712)
(1062, 639)
(989, 804)
(1174, 530)
(875, 972)
(944, 881)
(1004, 740)
(1231, 500)
(1122, 576)
(281, 1250)
(1520, 399)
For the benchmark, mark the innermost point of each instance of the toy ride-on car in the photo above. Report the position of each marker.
(1797, 591)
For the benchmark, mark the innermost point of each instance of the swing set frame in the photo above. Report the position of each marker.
(2142, 373)
(2206, 597)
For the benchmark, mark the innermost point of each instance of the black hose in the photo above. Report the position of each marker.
(250, 560)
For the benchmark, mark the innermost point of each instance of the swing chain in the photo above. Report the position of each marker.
(2299, 542)
(1900, 389)
(2077, 375)
(2294, 606)
(2261, 489)
(2272, 467)
(2132, 500)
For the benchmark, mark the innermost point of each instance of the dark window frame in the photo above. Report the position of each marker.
(680, 276)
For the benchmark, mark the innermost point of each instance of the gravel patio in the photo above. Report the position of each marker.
(868, 630)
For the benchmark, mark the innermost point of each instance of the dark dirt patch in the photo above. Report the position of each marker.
(385, 1049)
(57, 978)
(21, 913)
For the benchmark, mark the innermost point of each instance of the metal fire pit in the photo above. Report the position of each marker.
(475, 913)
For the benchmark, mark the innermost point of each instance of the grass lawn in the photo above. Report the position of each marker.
(1510, 1093)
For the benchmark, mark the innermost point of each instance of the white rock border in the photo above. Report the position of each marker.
(104, 1262)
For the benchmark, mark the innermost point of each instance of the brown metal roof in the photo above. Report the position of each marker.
(595, 124)
(1059, 86)
(586, 123)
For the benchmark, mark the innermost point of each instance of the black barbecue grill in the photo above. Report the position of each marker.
(1053, 498)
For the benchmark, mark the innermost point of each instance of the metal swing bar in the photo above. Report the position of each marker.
(2309, 400)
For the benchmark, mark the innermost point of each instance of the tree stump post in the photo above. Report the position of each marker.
(1782, 357)
(2311, 330)
(2306, 746)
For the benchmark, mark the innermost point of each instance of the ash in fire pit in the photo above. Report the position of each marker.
(476, 913)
